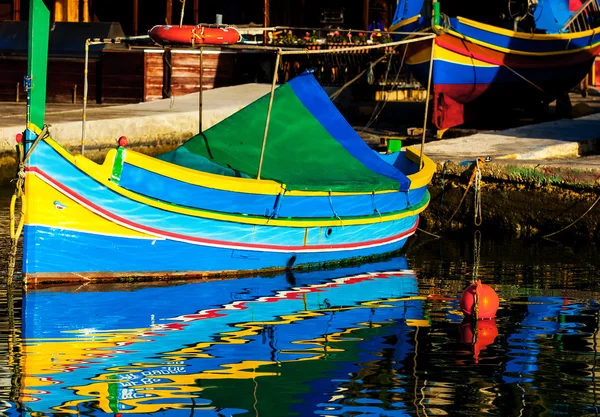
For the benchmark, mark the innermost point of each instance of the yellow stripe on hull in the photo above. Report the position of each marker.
(442, 54)
(42, 210)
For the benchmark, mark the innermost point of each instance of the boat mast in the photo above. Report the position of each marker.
(37, 61)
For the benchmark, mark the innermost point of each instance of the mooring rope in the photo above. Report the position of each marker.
(476, 171)
(572, 223)
(477, 199)
(19, 194)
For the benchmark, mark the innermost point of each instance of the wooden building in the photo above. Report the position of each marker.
(119, 74)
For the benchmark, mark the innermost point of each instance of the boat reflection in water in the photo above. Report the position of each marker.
(261, 345)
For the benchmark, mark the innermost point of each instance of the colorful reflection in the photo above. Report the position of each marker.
(258, 345)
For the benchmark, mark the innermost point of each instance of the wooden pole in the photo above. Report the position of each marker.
(262, 151)
(366, 14)
(427, 103)
(200, 92)
(196, 12)
(169, 12)
(267, 13)
(135, 17)
(16, 10)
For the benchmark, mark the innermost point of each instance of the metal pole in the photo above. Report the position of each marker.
(427, 103)
(262, 151)
(200, 98)
(85, 92)
(182, 11)
(196, 13)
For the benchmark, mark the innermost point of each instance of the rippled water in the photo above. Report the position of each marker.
(339, 342)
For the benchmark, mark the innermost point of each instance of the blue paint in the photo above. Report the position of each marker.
(313, 97)
(57, 251)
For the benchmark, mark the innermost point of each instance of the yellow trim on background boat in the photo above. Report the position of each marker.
(444, 54)
(521, 35)
(525, 53)
(98, 173)
(402, 23)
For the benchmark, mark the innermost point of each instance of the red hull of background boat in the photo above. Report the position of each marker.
(193, 35)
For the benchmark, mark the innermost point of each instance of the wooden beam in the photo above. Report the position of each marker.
(169, 14)
(196, 12)
(267, 13)
(366, 14)
(135, 17)
(16, 10)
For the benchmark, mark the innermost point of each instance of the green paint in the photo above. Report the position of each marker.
(37, 62)
(394, 145)
(436, 13)
(300, 152)
(118, 165)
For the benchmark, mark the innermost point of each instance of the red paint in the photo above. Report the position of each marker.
(484, 335)
(193, 35)
(487, 301)
(212, 242)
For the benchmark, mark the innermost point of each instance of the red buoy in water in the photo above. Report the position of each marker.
(479, 301)
(479, 334)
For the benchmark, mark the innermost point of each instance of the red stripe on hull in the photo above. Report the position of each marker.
(212, 242)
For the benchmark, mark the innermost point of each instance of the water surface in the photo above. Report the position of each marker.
(380, 339)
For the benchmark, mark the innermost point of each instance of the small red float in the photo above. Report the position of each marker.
(194, 35)
(479, 334)
(19, 137)
(123, 141)
(479, 301)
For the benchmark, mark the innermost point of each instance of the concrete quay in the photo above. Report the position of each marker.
(541, 177)
(151, 127)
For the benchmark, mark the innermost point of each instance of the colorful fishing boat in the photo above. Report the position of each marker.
(506, 54)
(187, 347)
(283, 183)
(194, 35)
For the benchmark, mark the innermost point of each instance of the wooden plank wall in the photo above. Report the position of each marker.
(138, 75)
(185, 79)
(65, 79)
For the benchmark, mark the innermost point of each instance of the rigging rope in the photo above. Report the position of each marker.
(19, 194)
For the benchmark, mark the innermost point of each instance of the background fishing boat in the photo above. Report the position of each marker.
(504, 54)
(284, 182)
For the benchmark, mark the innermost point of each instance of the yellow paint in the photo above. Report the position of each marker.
(441, 53)
(220, 182)
(68, 11)
(423, 177)
(520, 35)
(101, 174)
(397, 27)
(42, 211)
(204, 179)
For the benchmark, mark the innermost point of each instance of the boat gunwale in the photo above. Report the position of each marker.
(96, 173)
